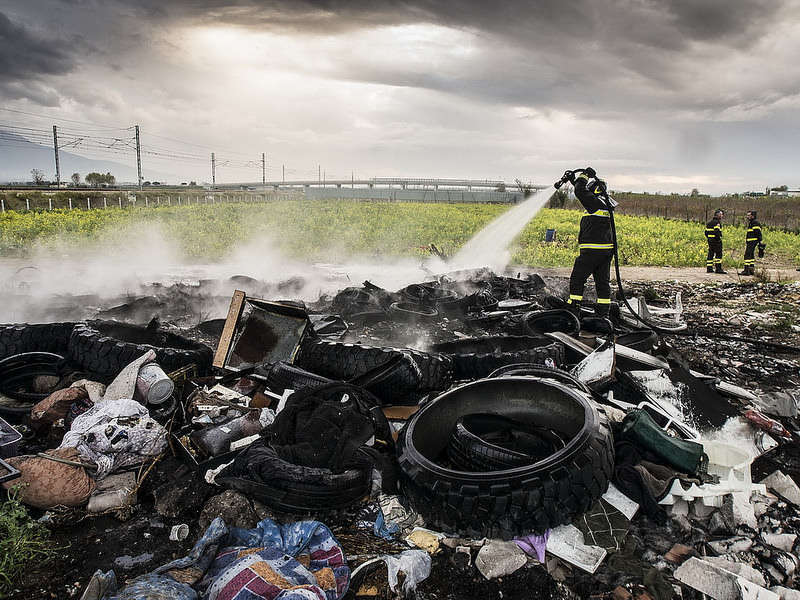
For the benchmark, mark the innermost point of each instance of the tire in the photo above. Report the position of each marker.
(294, 488)
(17, 373)
(46, 337)
(106, 347)
(475, 358)
(643, 341)
(514, 501)
(487, 442)
(282, 376)
(559, 319)
(406, 311)
(531, 370)
(344, 362)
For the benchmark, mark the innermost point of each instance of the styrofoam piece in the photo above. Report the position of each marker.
(725, 460)
(566, 542)
(620, 501)
(710, 494)
(719, 583)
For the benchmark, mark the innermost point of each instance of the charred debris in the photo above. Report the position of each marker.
(462, 437)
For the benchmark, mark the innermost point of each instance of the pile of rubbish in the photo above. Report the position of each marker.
(486, 433)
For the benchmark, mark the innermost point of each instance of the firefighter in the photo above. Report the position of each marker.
(752, 239)
(595, 243)
(714, 237)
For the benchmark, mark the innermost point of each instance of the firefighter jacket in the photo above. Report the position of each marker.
(753, 232)
(595, 232)
(714, 231)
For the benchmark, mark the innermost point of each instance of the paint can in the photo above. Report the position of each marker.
(153, 386)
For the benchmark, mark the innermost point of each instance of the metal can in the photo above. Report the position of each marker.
(153, 386)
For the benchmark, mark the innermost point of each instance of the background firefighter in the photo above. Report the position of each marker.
(714, 237)
(595, 243)
(752, 239)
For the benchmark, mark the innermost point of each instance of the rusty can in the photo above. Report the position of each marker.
(153, 386)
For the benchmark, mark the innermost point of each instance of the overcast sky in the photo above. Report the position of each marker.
(655, 94)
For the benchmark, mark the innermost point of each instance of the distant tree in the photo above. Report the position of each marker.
(501, 187)
(76, 179)
(109, 179)
(37, 175)
(780, 188)
(94, 179)
(559, 199)
(192, 183)
(695, 192)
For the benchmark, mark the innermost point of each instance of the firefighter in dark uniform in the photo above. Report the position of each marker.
(752, 239)
(595, 242)
(714, 237)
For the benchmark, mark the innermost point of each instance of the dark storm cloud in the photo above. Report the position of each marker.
(24, 55)
(633, 53)
(26, 58)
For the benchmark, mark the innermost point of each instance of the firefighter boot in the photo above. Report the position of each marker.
(709, 269)
(719, 270)
(575, 308)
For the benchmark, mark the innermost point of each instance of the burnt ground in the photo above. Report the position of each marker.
(766, 314)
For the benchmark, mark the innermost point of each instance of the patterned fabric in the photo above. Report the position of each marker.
(298, 561)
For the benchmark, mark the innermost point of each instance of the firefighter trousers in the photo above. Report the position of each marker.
(714, 257)
(750, 254)
(595, 263)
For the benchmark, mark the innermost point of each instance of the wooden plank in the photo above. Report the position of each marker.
(237, 302)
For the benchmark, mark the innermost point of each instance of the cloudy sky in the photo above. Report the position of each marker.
(655, 94)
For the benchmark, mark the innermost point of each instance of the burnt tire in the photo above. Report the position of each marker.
(106, 347)
(531, 370)
(487, 442)
(476, 358)
(45, 337)
(514, 501)
(643, 341)
(417, 372)
(545, 321)
(294, 488)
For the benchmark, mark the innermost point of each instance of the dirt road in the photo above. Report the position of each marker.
(683, 274)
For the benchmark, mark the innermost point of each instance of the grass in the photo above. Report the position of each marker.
(333, 230)
(23, 542)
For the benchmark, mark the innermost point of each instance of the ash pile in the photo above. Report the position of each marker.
(467, 436)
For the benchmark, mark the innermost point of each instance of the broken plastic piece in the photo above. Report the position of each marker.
(498, 559)
(597, 369)
(711, 494)
(566, 542)
(719, 583)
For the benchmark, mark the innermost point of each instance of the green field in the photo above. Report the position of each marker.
(332, 230)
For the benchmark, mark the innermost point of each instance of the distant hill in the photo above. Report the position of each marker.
(19, 155)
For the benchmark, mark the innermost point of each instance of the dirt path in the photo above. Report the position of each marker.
(684, 274)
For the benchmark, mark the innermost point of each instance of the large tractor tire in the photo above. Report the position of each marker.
(515, 501)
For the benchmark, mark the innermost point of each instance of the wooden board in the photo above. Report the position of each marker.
(235, 310)
(400, 413)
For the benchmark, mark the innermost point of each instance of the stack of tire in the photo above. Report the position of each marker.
(474, 358)
(459, 471)
(103, 347)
